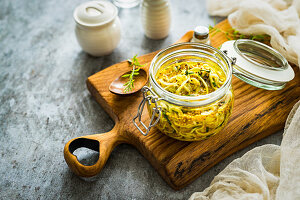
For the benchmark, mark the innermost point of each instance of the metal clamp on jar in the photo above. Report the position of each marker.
(193, 118)
(151, 98)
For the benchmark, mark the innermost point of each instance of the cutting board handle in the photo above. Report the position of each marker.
(103, 143)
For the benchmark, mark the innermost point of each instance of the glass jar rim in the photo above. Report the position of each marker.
(190, 100)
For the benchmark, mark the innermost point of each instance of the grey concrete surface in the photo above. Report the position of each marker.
(44, 103)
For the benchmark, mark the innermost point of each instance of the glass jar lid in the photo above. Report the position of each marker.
(258, 64)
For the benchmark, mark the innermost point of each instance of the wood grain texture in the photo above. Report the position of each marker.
(257, 113)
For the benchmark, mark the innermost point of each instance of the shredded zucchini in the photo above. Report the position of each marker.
(193, 78)
(190, 78)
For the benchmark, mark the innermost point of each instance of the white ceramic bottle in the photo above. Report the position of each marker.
(156, 18)
(98, 28)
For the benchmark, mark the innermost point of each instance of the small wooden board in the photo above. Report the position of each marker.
(257, 113)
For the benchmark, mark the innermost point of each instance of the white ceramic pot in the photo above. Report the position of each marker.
(98, 28)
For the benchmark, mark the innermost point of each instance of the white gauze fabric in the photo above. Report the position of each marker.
(269, 171)
(277, 18)
(265, 172)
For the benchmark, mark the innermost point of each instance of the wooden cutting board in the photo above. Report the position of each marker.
(257, 113)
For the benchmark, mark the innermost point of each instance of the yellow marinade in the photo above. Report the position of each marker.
(193, 78)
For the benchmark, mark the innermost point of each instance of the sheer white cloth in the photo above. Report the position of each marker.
(268, 171)
(265, 172)
(277, 18)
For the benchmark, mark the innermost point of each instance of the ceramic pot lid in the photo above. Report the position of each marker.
(95, 13)
(256, 62)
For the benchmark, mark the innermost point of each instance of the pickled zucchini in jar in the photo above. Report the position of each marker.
(190, 77)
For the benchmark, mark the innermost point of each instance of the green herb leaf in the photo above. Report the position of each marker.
(134, 72)
(166, 116)
(206, 70)
(234, 34)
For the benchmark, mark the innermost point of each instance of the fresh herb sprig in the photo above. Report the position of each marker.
(134, 63)
(233, 34)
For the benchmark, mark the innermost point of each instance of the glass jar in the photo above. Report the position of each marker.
(187, 118)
